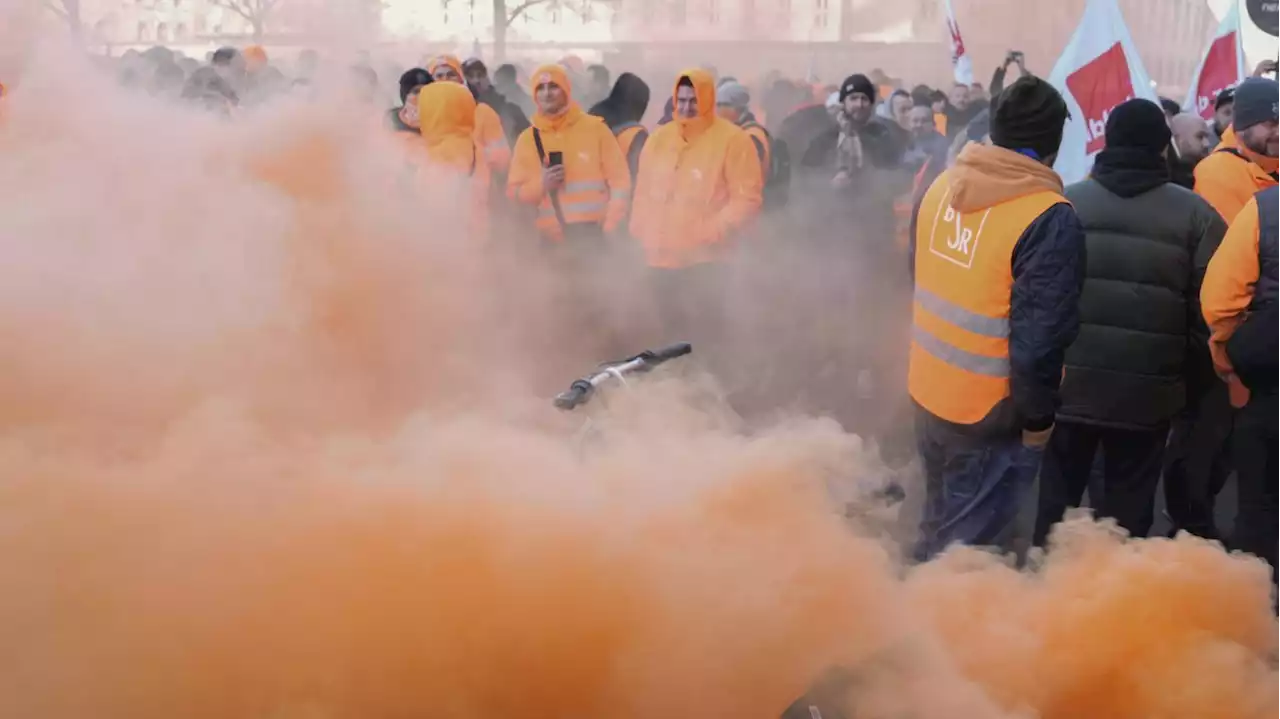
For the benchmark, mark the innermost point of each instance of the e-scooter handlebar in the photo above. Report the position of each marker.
(581, 391)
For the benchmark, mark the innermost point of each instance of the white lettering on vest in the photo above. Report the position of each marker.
(959, 244)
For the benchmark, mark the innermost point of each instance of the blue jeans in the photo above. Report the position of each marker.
(974, 487)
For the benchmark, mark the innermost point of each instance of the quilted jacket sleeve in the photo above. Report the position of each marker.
(1048, 276)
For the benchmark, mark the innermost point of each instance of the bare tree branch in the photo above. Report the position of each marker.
(521, 8)
(256, 12)
(55, 8)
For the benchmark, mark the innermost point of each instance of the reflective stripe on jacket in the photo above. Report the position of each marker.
(959, 364)
(597, 182)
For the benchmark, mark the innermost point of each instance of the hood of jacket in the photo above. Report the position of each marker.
(704, 89)
(569, 116)
(627, 102)
(451, 61)
(1269, 165)
(985, 176)
(447, 121)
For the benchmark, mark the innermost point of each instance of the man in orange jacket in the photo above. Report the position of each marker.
(568, 165)
(700, 184)
(1239, 301)
(447, 120)
(1198, 458)
(489, 133)
(1230, 176)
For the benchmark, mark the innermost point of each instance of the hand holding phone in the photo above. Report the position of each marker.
(553, 177)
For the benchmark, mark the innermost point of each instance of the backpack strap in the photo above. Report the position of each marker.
(542, 160)
(624, 127)
(1237, 153)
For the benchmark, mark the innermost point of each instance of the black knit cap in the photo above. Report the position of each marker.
(1255, 102)
(858, 84)
(1226, 97)
(1029, 115)
(1138, 124)
(413, 77)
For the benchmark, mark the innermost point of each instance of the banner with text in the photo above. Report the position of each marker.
(1099, 69)
(1221, 66)
(961, 64)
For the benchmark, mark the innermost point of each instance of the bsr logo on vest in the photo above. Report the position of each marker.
(955, 240)
(1098, 87)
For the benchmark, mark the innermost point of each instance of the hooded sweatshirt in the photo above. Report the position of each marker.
(1048, 276)
(447, 116)
(489, 130)
(699, 184)
(597, 184)
(1230, 176)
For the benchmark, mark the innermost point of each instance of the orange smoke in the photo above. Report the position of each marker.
(275, 443)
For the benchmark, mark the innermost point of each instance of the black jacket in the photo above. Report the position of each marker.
(514, 121)
(1142, 338)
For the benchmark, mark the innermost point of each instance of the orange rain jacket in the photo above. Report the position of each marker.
(489, 132)
(1230, 176)
(597, 182)
(700, 182)
(447, 117)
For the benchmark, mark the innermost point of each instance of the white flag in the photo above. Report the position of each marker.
(1099, 69)
(1221, 66)
(961, 64)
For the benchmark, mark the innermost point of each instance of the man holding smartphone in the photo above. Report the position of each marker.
(568, 165)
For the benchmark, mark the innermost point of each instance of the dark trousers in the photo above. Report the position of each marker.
(973, 488)
(1255, 447)
(1197, 462)
(1130, 474)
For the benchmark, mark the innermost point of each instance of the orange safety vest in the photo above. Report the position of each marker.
(959, 366)
(627, 135)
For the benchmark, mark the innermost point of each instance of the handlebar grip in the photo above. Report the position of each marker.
(577, 393)
(680, 349)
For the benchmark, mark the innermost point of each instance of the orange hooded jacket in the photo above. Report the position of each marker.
(1228, 290)
(1228, 180)
(446, 118)
(489, 130)
(700, 182)
(597, 182)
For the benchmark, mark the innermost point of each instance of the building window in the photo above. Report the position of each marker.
(217, 29)
(713, 11)
(162, 33)
(200, 25)
(180, 32)
(144, 33)
(820, 13)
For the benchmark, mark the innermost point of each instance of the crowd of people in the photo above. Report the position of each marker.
(1103, 336)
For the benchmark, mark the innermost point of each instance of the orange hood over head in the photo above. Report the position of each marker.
(704, 88)
(447, 121)
(451, 61)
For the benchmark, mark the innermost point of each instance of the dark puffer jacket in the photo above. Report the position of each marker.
(1142, 338)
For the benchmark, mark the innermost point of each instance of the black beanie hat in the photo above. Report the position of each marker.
(857, 84)
(1256, 102)
(1029, 115)
(1226, 97)
(413, 77)
(1139, 124)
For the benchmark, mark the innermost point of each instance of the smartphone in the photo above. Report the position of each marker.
(1017, 56)
(555, 159)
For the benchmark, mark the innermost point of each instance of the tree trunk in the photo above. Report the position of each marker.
(499, 31)
(73, 17)
(257, 23)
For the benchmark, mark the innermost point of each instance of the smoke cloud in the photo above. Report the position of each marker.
(275, 443)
